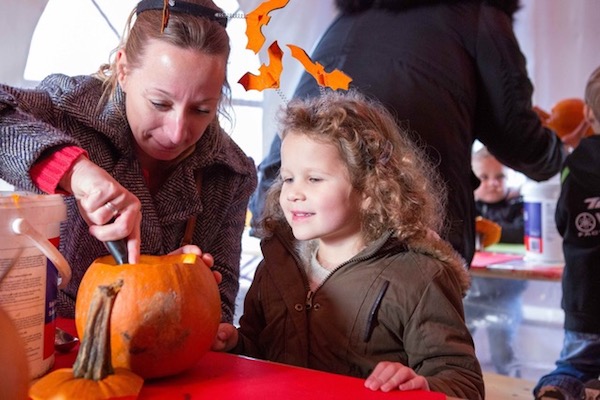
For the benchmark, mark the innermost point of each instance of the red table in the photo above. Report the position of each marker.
(225, 376)
(491, 264)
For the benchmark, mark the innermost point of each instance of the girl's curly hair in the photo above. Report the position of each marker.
(403, 190)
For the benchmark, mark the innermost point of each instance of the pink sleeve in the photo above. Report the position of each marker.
(47, 173)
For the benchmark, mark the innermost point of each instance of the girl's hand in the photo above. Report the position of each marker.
(110, 210)
(207, 258)
(392, 375)
(226, 339)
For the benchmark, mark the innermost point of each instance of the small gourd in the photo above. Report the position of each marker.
(565, 116)
(92, 376)
(166, 317)
(488, 231)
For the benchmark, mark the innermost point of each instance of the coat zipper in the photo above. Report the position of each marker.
(308, 303)
(309, 300)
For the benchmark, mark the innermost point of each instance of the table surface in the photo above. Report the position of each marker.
(225, 376)
(510, 262)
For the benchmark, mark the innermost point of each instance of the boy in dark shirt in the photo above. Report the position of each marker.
(495, 302)
(578, 222)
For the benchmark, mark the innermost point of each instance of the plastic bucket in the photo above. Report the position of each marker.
(29, 270)
(543, 243)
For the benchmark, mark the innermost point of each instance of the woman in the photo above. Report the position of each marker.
(140, 137)
(452, 72)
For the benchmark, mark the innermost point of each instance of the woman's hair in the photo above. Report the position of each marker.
(403, 190)
(183, 30)
(592, 93)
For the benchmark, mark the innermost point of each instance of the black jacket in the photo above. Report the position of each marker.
(452, 72)
(578, 221)
(508, 213)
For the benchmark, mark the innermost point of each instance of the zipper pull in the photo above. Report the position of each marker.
(308, 302)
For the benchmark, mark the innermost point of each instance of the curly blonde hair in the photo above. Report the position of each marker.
(592, 93)
(403, 189)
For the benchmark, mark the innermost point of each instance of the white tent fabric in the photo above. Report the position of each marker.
(76, 36)
(559, 39)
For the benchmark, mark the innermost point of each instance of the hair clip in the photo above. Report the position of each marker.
(166, 14)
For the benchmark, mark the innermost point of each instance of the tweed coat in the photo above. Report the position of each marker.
(65, 111)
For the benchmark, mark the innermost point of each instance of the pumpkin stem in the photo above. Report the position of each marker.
(94, 359)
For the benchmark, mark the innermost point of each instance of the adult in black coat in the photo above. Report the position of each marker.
(452, 72)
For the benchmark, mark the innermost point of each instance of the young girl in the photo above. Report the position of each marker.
(354, 280)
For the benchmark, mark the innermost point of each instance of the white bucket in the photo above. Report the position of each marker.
(29, 259)
(543, 243)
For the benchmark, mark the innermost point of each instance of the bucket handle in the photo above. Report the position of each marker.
(20, 226)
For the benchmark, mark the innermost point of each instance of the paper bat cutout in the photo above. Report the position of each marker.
(335, 79)
(269, 75)
(258, 18)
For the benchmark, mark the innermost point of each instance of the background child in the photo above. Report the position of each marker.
(354, 280)
(578, 222)
(501, 298)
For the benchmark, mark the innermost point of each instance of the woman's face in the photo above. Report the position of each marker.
(171, 98)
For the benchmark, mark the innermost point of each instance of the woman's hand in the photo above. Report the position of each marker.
(226, 339)
(392, 375)
(101, 199)
(207, 258)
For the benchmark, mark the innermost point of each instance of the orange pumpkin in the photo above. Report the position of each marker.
(14, 366)
(165, 317)
(92, 375)
(565, 117)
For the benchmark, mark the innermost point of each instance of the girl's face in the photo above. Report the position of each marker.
(171, 98)
(491, 173)
(317, 197)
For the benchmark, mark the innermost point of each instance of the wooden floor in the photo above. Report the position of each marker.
(500, 387)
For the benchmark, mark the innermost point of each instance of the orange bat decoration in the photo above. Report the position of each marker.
(269, 75)
(256, 19)
(335, 79)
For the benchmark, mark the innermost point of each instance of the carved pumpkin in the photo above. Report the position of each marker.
(166, 316)
(14, 378)
(92, 375)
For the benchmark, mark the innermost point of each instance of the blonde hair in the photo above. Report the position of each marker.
(183, 30)
(481, 154)
(403, 189)
(592, 93)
